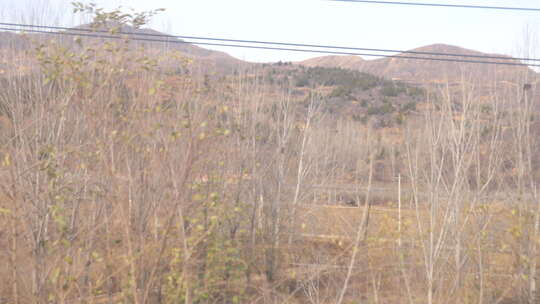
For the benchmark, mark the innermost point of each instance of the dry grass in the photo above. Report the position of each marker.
(127, 179)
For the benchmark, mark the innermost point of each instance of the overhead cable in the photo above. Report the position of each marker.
(528, 9)
(319, 51)
(78, 29)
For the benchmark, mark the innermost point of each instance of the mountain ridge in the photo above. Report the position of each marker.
(430, 70)
(394, 68)
(211, 59)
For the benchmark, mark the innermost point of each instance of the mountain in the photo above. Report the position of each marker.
(412, 71)
(157, 39)
(344, 62)
(154, 41)
(12, 40)
(429, 71)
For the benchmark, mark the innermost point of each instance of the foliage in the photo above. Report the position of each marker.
(346, 79)
(123, 180)
(392, 90)
(386, 108)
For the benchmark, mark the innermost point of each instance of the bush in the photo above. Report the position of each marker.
(415, 92)
(410, 106)
(302, 82)
(391, 90)
(384, 109)
(340, 92)
(364, 103)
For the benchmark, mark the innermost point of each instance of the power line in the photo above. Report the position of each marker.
(267, 47)
(272, 48)
(275, 43)
(529, 9)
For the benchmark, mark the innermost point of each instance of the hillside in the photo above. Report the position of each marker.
(348, 94)
(13, 41)
(156, 39)
(205, 59)
(427, 71)
(140, 172)
(344, 62)
(417, 72)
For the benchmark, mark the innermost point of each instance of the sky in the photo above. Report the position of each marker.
(320, 22)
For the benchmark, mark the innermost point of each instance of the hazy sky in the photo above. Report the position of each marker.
(318, 22)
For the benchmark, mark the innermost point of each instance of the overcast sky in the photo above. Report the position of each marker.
(317, 22)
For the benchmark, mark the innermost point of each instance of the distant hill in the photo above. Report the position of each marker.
(13, 41)
(417, 72)
(427, 71)
(174, 44)
(207, 59)
(347, 93)
(411, 71)
(344, 62)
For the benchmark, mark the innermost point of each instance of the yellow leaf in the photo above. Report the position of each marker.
(293, 274)
(7, 160)
(55, 275)
(197, 197)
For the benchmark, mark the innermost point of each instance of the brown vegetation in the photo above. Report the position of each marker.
(130, 177)
(427, 72)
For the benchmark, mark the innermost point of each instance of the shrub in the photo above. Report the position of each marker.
(364, 103)
(415, 92)
(302, 82)
(391, 90)
(410, 106)
(386, 108)
(340, 92)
